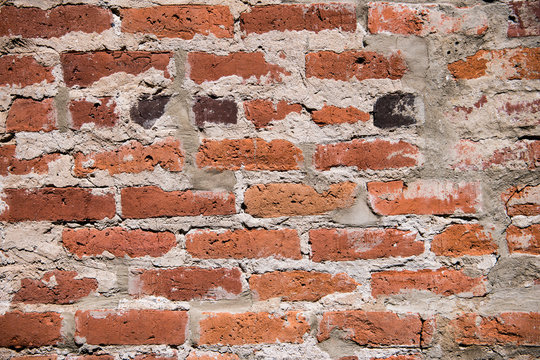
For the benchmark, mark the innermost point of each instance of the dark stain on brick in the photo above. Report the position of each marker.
(394, 110)
(148, 109)
(219, 111)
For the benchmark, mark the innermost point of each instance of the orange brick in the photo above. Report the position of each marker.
(424, 197)
(354, 64)
(367, 154)
(522, 200)
(252, 328)
(27, 330)
(524, 240)
(299, 285)
(240, 244)
(10, 165)
(353, 244)
(507, 64)
(285, 199)
(262, 112)
(332, 115)
(443, 282)
(179, 21)
(463, 239)
(249, 154)
(31, 115)
(132, 157)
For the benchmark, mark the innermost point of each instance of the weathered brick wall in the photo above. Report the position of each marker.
(261, 180)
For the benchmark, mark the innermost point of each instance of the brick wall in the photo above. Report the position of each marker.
(264, 180)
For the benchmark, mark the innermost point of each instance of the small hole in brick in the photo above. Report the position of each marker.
(360, 60)
(512, 18)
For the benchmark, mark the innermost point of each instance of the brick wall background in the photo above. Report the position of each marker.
(263, 180)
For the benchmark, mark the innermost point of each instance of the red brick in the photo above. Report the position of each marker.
(90, 357)
(179, 21)
(54, 204)
(209, 67)
(101, 114)
(55, 287)
(424, 197)
(422, 20)
(354, 244)
(399, 357)
(131, 327)
(20, 330)
(55, 22)
(117, 241)
(482, 155)
(208, 355)
(443, 282)
(463, 239)
(522, 200)
(154, 357)
(188, 283)
(132, 157)
(31, 115)
(506, 64)
(35, 357)
(511, 328)
(85, 68)
(252, 328)
(249, 154)
(332, 115)
(151, 201)
(354, 64)
(240, 244)
(374, 329)
(524, 19)
(262, 112)
(286, 199)
(524, 240)
(23, 71)
(299, 285)
(10, 165)
(314, 17)
(368, 155)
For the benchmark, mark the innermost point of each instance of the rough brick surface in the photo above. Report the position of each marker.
(365, 155)
(522, 200)
(252, 328)
(262, 112)
(463, 239)
(33, 329)
(55, 287)
(132, 157)
(353, 244)
(274, 200)
(210, 67)
(511, 328)
(315, 17)
(136, 327)
(299, 285)
(360, 65)
(54, 204)
(118, 242)
(188, 283)
(178, 21)
(85, 68)
(209, 355)
(510, 64)
(443, 282)
(58, 21)
(373, 329)
(524, 19)
(151, 201)
(423, 197)
(31, 115)
(332, 115)
(9, 164)
(23, 71)
(101, 114)
(249, 154)
(238, 244)
(524, 240)
(411, 19)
